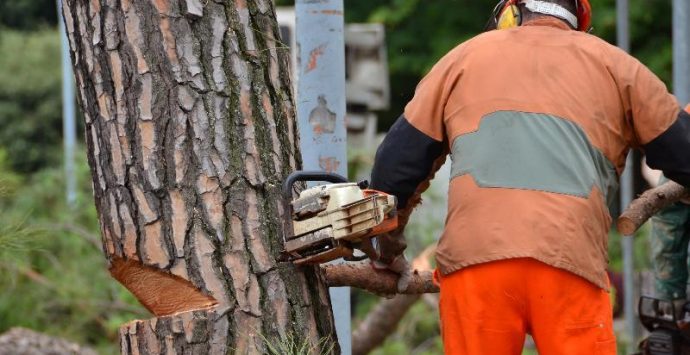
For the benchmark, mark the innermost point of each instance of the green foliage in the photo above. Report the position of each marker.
(291, 344)
(54, 277)
(641, 249)
(10, 181)
(14, 238)
(30, 98)
(418, 332)
(28, 14)
(650, 32)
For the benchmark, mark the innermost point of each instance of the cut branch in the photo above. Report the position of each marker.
(362, 275)
(649, 203)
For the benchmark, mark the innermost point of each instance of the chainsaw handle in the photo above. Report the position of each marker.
(313, 175)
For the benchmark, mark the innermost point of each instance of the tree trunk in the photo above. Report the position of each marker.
(190, 131)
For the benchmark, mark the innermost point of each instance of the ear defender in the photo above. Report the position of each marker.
(509, 16)
(584, 15)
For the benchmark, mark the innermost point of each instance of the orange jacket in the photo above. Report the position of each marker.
(538, 120)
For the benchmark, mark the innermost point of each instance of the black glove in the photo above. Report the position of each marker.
(390, 245)
(389, 248)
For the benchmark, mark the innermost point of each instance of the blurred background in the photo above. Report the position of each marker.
(52, 273)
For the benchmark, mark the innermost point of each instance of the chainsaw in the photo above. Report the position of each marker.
(667, 335)
(332, 221)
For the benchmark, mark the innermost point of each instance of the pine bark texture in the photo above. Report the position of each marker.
(190, 130)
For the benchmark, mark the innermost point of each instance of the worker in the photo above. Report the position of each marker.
(538, 117)
(670, 236)
(669, 239)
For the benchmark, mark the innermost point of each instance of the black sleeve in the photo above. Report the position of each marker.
(670, 151)
(404, 160)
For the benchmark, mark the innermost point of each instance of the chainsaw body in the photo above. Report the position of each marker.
(668, 335)
(331, 221)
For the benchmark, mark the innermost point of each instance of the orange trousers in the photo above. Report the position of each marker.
(487, 309)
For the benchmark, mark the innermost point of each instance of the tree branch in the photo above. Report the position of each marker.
(362, 275)
(75, 229)
(649, 203)
(380, 322)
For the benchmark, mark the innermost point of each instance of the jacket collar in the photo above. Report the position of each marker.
(548, 21)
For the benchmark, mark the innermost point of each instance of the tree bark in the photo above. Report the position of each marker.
(190, 130)
(649, 203)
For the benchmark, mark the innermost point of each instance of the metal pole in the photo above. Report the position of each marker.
(321, 111)
(623, 40)
(69, 125)
(629, 301)
(681, 50)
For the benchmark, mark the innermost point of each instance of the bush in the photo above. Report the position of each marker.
(30, 99)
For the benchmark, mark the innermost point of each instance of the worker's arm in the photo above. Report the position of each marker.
(670, 151)
(659, 126)
(405, 162)
(415, 147)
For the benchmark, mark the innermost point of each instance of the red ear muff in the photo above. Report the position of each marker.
(584, 15)
(505, 5)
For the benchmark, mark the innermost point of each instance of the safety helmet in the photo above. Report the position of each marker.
(506, 14)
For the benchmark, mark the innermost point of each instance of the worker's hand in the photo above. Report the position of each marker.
(685, 200)
(389, 249)
(400, 266)
(389, 246)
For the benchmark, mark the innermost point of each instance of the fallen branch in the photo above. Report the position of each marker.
(362, 275)
(382, 320)
(80, 231)
(29, 273)
(649, 203)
